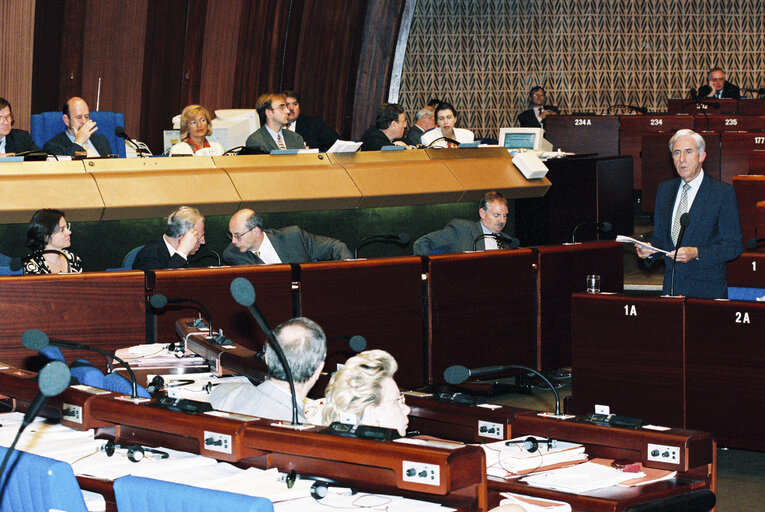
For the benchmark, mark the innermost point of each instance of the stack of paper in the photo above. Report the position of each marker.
(581, 478)
(534, 504)
(509, 459)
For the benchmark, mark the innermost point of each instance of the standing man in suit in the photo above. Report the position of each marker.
(460, 235)
(272, 135)
(718, 87)
(536, 115)
(184, 234)
(80, 133)
(12, 141)
(313, 129)
(424, 120)
(713, 236)
(253, 245)
(389, 127)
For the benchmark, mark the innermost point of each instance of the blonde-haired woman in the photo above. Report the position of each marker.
(196, 125)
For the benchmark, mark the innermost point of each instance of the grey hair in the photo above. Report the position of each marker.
(304, 352)
(181, 220)
(701, 146)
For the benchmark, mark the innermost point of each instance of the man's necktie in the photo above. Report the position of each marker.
(280, 141)
(682, 208)
(256, 258)
(499, 240)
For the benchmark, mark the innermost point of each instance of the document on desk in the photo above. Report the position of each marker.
(630, 240)
(360, 501)
(509, 459)
(533, 503)
(581, 478)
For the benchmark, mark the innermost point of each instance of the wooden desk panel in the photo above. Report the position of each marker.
(584, 134)
(734, 152)
(211, 287)
(748, 270)
(379, 299)
(711, 106)
(749, 191)
(481, 310)
(757, 162)
(729, 123)
(632, 128)
(627, 353)
(752, 106)
(103, 309)
(725, 367)
(561, 271)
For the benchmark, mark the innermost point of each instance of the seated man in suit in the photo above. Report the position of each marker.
(390, 123)
(313, 129)
(535, 116)
(713, 234)
(253, 245)
(80, 133)
(424, 120)
(184, 234)
(305, 348)
(272, 135)
(460, 235)
(718, 87)
(12, 141)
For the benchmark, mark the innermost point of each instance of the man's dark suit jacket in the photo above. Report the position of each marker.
(262, 140)
(414, 137)
(18, 141)
(728, 91)
(527, 118)
(374, 139)
(316, 133)
(61, 145)
(155, 255)
(293, 245)
(458, 236)
(714, 229)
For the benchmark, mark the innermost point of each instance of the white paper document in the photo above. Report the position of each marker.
(581, 478)
(508, 459)
(630, 240)
(344, 146)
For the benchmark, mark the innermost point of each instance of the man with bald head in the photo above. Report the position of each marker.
(253, 245)
(80, 133)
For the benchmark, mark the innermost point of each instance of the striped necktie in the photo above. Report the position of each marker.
(682, 208)
(280, 141)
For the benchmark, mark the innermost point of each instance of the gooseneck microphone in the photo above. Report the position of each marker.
(634, 108)
(685, 219)
(751, 244)
(458, 374)
(503, 241)
(447, 139)
(244, 294)
(119, 131)
(159, 301)
(603, 227)
(402, 240)
(35, 339)
(52, 380)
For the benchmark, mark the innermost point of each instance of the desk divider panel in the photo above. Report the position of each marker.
(584, 134)
(211, 287)
(711, 106)
(379, 299)
(749, 191)
(561, 271)
(481, 310)
(25, 187)
(103, 309)
(627, 353)
(725, 366)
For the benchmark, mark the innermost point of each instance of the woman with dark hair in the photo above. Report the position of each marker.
(48, 236)
(446, 118)
(196, 125)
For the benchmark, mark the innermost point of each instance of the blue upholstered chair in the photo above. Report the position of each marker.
(32, 483)
(48, 124)
(119, 384)
(138, 494)
(87, 374)
(5, 266)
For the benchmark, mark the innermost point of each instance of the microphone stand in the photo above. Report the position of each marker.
(401, 240)
(447, 139)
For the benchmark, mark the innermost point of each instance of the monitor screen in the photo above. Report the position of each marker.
(519, 140)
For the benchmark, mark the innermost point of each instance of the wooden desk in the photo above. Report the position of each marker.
(211, 287)
(734, 152)
(481, 310)
(749, 191)
(561, 271)
(627, 353)
(748, 270)
(584, 134)
(711, 106)
(380, 299)
(752, 106)
(729, 123)
(725, 365)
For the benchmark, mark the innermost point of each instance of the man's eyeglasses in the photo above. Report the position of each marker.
(237, 236)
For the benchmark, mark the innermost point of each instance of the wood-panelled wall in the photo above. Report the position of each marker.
(16, 58)
(155, 57)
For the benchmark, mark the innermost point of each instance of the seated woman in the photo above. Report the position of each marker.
(196, 125)
(363, 392)
(446, 118)
(12, 141)
(48, 235)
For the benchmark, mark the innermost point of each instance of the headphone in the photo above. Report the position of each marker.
(320, 485)
(135, 452)
(531, 444)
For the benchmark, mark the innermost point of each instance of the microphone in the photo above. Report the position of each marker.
(751, 244)
(35, 339)
(634, 108)
(159, 301)
(447, 139)
(603, 227)
(506, 241)
(685, 219)
(244, 294)
(760, 92)
(457, 374)
(402, 240)
(207, 254)
(52, 380)
(119, 131)
(357, 342)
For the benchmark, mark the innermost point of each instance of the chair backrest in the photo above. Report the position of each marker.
(48, 124)
(127, 261)
(51, 353)
(88, 375)
(119, 384)
(138, 494)
(33, 483)
(5, 266)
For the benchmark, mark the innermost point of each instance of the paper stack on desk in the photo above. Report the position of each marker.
(508, 459)
(581, 478)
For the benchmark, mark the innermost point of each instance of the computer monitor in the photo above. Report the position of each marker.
(231, 127)
(524, 138)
